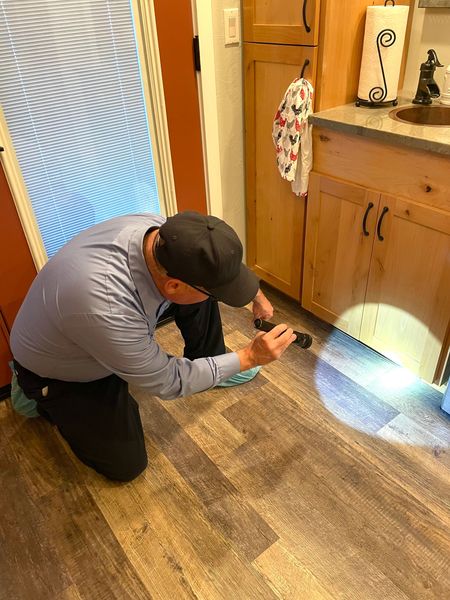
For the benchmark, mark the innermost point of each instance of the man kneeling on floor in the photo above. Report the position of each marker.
(86, 329)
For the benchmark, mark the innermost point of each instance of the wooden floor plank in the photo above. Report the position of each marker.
(287, 577)
(238, 521)
(88, 548)
(351, 403)
(27, 553)
(34, 445)
(417, 444)
(176, 549)
(324, 478)
(284, 377)
(368, 507)
(51, 530)
(402, 390)
(275, 474)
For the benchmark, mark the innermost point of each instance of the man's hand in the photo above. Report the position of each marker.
(262, 309)
(266, 347)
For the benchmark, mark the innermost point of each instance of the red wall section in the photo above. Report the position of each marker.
(17, 271)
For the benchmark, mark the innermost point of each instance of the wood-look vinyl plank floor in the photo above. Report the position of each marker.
(327, 477)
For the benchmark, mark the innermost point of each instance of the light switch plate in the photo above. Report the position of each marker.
(232, 26)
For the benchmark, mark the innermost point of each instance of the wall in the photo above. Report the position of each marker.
(221, 83)
(231, 122)
(17, 272)
(430, 29)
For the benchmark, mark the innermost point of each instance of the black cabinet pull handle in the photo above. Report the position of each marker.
(369, 207)
(307, 27)
(383, 212)
(305, 64)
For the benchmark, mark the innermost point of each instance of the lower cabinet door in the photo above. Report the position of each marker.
(407, 305)
(340, 227)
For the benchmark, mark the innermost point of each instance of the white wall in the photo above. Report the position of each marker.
(231, 123)
(222, 91)
(430, 29)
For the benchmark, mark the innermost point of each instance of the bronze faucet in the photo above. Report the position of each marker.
(427, 87)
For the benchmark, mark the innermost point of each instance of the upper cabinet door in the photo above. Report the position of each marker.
(282, 21)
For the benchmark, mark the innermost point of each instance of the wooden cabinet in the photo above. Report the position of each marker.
(377, 266)
(286, 22)
(275, 215)
(277, 44)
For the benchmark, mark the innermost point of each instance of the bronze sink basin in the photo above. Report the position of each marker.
(434, 116)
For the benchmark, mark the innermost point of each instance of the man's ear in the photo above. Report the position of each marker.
(173, 286)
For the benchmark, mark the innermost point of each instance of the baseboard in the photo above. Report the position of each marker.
(164, 321)
(5, 392)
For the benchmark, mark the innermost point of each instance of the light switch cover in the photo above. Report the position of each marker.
(232, 26)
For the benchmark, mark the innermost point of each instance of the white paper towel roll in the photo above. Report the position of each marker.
(385, 33)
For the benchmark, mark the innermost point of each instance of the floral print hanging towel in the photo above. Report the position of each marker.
(291, 135)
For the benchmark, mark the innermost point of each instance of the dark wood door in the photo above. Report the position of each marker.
(175, 35)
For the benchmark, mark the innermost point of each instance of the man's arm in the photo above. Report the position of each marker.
(262, 308)
(125, 346)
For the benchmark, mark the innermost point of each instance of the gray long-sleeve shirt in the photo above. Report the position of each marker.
(92, 311)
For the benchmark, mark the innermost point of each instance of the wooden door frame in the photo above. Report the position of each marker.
(20, 197)
(147, 41)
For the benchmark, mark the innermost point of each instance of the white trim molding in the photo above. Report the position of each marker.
(20, 196)
(208, 103)
(153, 89)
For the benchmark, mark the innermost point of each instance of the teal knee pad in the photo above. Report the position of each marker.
(240, 378)
(22, 404)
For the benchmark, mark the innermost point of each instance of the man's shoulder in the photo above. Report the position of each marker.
(124, 222)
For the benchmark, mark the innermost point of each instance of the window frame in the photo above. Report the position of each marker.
(153, 91)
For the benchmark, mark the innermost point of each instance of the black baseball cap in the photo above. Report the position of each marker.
(205, 252)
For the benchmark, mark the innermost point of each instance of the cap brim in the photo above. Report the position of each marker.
(240, 291)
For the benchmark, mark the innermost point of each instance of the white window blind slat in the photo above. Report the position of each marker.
(71, 91)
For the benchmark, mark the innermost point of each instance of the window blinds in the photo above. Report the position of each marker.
(71, 91)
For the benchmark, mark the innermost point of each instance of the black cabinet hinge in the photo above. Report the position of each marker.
(196, 47)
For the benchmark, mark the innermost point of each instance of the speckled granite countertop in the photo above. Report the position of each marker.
(376, 123)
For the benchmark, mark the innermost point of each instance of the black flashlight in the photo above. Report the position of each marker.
(304, 340)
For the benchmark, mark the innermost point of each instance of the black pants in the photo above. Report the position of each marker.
(100, 419)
